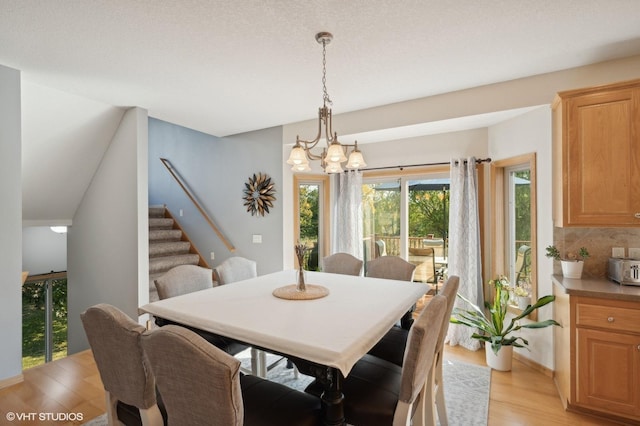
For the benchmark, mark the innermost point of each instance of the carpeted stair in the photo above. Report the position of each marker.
(168, 247)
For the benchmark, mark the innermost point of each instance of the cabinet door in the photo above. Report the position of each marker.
(608, 367)
(602, 158)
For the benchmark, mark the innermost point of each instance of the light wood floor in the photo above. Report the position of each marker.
(72, 385)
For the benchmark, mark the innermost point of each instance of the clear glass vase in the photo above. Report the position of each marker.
(300, 282)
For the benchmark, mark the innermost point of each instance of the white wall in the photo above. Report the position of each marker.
(525, 92)
(426, 149)
(525, 134)
(10, 226)
(108, 260)
(43, 250)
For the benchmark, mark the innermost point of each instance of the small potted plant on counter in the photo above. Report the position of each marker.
(572, 263)
(494, 329)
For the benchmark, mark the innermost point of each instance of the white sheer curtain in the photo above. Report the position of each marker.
(464, 245)
(347, 235)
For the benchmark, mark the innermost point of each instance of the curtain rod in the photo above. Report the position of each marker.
(478, 161)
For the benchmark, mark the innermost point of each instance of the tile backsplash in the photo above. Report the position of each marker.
(598, 241)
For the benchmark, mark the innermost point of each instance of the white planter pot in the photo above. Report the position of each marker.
(501, 361)
(572, 268)
(523, 302)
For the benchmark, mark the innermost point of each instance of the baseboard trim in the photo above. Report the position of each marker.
(5, 383)
(538, 367)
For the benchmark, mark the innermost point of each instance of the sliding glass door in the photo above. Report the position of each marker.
(408, 216)
(381, 221)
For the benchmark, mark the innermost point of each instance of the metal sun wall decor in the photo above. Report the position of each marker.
(259, 194)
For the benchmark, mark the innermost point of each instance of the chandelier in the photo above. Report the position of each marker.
(335, 153)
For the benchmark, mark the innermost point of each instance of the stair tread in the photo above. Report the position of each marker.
(168, 248)
(164, 263)
(165, 234)
(157, 223)
(156, 211)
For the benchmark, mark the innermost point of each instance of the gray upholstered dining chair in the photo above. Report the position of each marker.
(392, 348)
(234, 269)
(377, 392)
(425, 265)
(183, 279)
(390, 267)
(342, 263)
(202, 385)
(129, 386)
(393, 268)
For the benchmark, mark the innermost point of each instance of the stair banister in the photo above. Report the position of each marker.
(171, 170)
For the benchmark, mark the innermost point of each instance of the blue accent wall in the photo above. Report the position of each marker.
(216, 169)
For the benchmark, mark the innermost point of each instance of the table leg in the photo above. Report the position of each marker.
(333, 399)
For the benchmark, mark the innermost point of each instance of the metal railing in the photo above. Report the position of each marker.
(40, 289)
(392, 244)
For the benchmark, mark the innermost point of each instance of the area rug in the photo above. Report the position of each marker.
(466, 389)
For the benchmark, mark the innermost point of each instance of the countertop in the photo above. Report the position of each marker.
(597, 287)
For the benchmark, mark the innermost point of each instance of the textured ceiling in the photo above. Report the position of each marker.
(225, 67)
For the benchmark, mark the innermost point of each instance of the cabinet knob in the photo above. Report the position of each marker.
(637, 215)
(610, 319)
(639, 347)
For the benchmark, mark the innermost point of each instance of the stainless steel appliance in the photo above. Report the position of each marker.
(624, 271)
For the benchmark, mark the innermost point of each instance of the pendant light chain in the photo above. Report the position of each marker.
(325, 96)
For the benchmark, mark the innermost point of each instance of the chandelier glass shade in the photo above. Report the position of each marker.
(335, 153)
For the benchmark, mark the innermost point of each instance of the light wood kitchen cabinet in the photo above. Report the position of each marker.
(598, 355)
(596, 133)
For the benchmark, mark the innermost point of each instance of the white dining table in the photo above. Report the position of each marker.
(334, 331)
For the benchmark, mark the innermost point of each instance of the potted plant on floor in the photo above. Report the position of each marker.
(495, 330)
(523, 297)
(572, 264)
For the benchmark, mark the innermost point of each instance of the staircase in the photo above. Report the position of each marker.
(169, 246)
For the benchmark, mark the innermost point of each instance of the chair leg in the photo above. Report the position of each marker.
(112, 413)
(427, 408)
(151, 416)
(401, 416)
(440, 403)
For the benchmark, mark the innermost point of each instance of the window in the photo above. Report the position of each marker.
(311, 217)
(514, 222)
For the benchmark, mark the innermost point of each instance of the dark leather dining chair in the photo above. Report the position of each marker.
(202, 385)
(342, 263)
(128, 383)
(380, 393)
